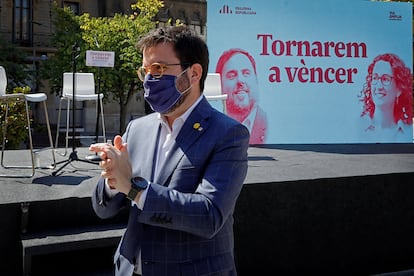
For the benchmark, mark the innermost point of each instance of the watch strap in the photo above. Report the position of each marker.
(137, 184)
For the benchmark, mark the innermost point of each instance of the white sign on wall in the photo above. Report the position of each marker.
(100, 58)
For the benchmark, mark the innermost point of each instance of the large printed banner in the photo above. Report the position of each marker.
(319, 71)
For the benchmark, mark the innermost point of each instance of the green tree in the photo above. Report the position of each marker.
(118, 34)
(66, 34)
(16, 119)
(13, 61)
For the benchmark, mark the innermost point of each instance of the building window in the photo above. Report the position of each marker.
(22, 18)
(74, 6)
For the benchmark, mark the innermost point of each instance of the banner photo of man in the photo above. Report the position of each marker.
(303, 72)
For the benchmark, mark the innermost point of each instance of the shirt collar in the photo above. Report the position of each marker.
(179, 122)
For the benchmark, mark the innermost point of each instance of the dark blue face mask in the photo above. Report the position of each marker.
(162, 93)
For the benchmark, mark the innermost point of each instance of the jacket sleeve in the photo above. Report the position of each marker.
(104, 206)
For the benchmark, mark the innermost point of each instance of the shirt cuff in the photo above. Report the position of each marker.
(108, 190)
(142, 198)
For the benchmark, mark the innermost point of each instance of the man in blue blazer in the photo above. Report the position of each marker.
(180, 169)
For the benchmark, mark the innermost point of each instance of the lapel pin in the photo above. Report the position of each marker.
(197, 126)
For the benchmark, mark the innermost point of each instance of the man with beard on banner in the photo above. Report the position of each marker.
(238, 73)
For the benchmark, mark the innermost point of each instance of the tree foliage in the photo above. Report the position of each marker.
(118, 34)
(13, 61)
(67, 32)
(16, 119)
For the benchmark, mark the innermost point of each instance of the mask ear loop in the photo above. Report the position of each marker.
(179, 76)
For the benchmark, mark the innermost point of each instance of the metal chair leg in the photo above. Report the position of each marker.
(58, 128)
(49, 132)
(67, 126)
(102, 121)
(32, 167)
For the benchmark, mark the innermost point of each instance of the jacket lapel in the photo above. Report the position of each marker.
(193, 128)
(196, 124)
(145, 166)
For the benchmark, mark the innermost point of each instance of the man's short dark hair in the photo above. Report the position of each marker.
(189, 47)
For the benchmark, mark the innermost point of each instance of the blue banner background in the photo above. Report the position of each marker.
(304, 112)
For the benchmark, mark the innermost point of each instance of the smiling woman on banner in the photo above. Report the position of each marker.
(387, 99)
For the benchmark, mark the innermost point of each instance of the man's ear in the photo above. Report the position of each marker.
(196, 72)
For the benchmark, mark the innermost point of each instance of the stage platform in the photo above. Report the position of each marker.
(305, 209)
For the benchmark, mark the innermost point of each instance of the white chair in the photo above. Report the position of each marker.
(84, 91)
(23, 98)
(213, 91)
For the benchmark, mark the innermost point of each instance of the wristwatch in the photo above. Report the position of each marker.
(137, 184)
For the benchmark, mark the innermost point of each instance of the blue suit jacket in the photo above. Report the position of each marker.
(186, 226)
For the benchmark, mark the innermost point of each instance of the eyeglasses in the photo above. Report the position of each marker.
(155, 69)
(385, 79)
